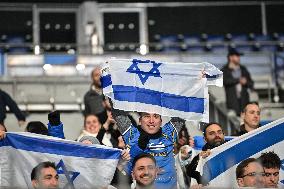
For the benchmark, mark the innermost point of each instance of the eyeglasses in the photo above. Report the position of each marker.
(254, 174)
(270, 174)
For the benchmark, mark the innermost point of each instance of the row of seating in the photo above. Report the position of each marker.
(196, 38)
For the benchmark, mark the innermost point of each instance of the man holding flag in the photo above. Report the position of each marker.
(154, 88)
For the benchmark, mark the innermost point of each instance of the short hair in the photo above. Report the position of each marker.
(249, 103)
(270, 160)
(209, 124)
(143, 155)
(240, 168)
(37, 127)
(37, 169)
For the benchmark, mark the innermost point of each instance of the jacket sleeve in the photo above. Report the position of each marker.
(191, 169)
(228, 79)
(8, 101)
(56, 130)
(247, 75)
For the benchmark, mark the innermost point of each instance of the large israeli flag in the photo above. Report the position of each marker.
(78, 165)
(169, 89)
(219, 168)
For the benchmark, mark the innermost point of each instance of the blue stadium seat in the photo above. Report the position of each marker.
(17, 45)
(244, 48)
(261, 38)
(239, 38)
(195, 49)
(191, 39)
(219, 48)
(268, 48)
(216, 38)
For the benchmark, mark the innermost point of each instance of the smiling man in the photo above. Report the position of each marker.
(144, 171)
(44, 176)
(149, 136)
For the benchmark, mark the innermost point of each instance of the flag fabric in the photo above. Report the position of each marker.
(78, 165)
(169, 89)
(219, 168)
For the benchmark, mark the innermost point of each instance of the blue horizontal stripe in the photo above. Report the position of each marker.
(241, 151)
(166, 100)
(40, 145)
(106, 81)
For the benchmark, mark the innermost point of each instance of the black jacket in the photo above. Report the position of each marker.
(230, 88)
(191, 168)
(6, 100)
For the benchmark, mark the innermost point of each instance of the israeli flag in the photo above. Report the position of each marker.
(219, 168)
(78, 165)
(168, 89)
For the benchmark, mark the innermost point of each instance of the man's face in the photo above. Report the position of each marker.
(252, 116)
(144, 172)
(214, 135)
(253, 176)
(235, 59)
(47, 179)
(271, 177)
(150, 123)
(96, 76)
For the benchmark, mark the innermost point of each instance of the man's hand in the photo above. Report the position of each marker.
(205, 154)
(243, 81)
(125, 157)
(2, 135)
(54, 118)
(196, 186)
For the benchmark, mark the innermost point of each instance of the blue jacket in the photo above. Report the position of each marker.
(56, 130)
(161, 148)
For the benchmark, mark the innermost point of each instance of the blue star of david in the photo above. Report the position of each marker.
(70, 175)
(282, 167)
(143, 76)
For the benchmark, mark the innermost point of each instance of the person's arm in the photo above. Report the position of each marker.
(178, 123)
(55, 126)
(2, 135)
(8, 101)
(123, 120)
(249, 83)
(228, 80)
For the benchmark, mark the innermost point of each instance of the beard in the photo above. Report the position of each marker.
(214, 143)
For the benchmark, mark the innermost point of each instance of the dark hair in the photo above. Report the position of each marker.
(240, 168)
(37, 127)
(5, 129)
(249, 103)
(270, 160)
(36, 170)
(85, 118)
(143, 155)
(209, 124)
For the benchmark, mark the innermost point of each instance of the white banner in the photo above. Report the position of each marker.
(78, 165)
(169, 89)
(220, 167)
